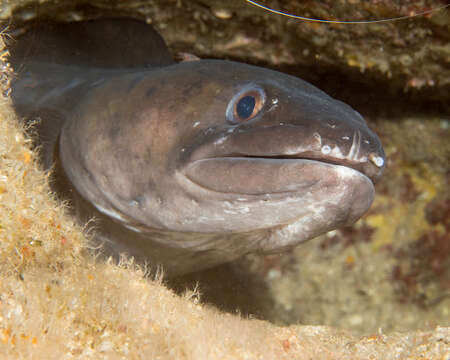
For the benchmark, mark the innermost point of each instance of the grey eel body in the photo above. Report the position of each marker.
(192, 164)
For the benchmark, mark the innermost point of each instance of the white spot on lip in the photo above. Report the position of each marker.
(377, 160)
(345, 138)
(325, 150)
(197, 123)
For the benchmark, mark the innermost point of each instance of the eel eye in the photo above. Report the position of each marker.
(245, 105)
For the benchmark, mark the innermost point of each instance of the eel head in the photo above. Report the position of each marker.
(220, 147)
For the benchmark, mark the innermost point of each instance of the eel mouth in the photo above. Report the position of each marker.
(358, 166)
(261, 175)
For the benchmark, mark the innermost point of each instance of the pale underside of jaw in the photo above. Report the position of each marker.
(255, 193)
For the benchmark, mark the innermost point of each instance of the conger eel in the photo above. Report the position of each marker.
(189, 164)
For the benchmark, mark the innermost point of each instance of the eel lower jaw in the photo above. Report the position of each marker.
(255, 175)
